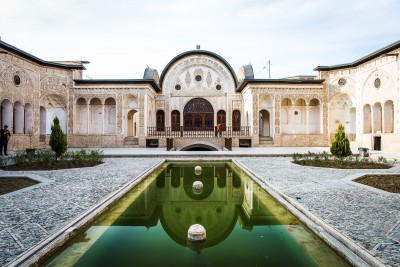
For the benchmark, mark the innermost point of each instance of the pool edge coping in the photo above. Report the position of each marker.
(345, 247)
(34, 255)
(351, 251)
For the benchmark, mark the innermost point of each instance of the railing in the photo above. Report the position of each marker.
(243, 131)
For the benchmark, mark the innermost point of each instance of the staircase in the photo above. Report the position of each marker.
(266, 141)
(131, 142)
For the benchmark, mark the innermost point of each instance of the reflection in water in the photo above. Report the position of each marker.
(245, 226)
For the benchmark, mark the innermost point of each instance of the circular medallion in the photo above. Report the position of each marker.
(377, 83)
(218, 87)
(178, 87)
(198, 78)
(342, 81)
(17, 80)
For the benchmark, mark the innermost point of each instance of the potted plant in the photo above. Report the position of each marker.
(30, 150)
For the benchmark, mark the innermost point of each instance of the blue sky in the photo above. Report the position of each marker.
(120, 37)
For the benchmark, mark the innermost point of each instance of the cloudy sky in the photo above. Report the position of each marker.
(121, 37)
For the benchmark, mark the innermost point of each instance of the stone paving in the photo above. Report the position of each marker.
(369, 217)
(31, 216)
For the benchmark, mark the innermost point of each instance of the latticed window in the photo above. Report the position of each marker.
(198, 115)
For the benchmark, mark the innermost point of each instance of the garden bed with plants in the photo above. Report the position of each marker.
(326, 160)
(46, 160)
(8, 185)
(387, 182)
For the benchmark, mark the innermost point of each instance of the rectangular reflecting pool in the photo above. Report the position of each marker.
(244, 225)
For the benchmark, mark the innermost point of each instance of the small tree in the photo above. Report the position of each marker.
(58, 143)
(340, 145)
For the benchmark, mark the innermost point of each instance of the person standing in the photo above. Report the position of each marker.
(4, 138)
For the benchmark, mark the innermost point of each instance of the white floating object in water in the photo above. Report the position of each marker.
(197, 187)
(196, 233)
(197, 170)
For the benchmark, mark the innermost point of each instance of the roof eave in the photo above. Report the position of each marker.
(21, 53)
(244, 83)
(152, 82)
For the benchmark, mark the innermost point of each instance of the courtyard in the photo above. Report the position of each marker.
(367, 216)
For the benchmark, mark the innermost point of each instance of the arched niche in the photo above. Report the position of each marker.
(28, 118)
(367, 119)
(377, 118)
(81, 116)
(96, 116)
(18, 118)
(110, 116)
(388, 117)
(6, 113)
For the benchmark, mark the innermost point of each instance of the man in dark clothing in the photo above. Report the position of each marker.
(4, 137)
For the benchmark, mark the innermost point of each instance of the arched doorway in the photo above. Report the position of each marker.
(236, 120)
(131, 123)
(175, 120)
(264, 121)
(198, 115)
(221, 119)
(160, 120)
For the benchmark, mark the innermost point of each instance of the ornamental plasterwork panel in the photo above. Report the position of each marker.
(53, 85)
(255, 114)
(278, 101)
(71, 114)
(186, 69)
(339, 101)
(160, 104)
(119, 113)
(237, 104)
(325, 114)
(141, 112)
(266, 101)
(23, 91)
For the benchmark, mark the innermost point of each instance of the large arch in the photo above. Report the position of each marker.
(198, 115)
(81, 116)
(199, 144)
(340, 112)
(55, 106)
(200, 53)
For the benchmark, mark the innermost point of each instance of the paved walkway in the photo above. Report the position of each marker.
(371, 218)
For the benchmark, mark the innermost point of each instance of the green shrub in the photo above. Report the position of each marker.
(340, 145)
(58, 143)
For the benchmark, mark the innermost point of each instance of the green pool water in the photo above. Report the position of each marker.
(245, 226)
